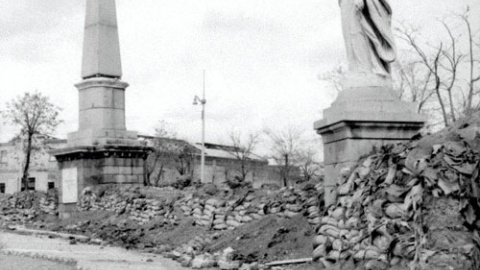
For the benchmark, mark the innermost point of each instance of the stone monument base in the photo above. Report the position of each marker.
(91, 166)
(366, 115)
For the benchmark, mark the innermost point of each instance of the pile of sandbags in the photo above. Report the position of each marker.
(186, 253)
(25, 206)
(295, 201)
(122, 200)
(17, 216)
(292, 203)
(413, 206)
(144, 210)
(25, 199)
(313, 210)
(49, 203)
(222, 214)
(88, 200)
(191, 255)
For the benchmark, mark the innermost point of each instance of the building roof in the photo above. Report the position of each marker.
(225, 151)
(47, 139)
(211, 150)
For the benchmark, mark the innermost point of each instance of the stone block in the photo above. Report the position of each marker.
(119, 178)
(121, 162)
(108, 179)
(111, 170)
(138, 170)
(134, 179)
(127, 170)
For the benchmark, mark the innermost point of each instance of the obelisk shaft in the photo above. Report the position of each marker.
(101, 47)
(101, 92)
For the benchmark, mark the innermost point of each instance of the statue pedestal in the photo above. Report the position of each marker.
(89, 166)
(365, 115)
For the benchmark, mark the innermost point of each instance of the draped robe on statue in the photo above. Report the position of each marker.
(368, 36)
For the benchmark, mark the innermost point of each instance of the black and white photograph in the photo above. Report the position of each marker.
(240, 134)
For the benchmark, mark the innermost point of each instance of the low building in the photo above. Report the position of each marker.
(43, 171)
(220, 164)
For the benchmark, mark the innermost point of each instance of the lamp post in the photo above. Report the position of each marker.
(202, 101)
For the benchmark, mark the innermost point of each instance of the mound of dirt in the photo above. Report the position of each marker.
(268, 239)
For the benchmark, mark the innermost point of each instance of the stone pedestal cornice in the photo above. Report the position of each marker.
(101, 82)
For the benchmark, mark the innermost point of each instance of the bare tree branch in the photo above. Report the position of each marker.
(35, 115)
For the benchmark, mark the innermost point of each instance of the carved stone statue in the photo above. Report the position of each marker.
(368, 36)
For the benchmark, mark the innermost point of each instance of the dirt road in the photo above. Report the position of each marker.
(86, 257)
(12, 262)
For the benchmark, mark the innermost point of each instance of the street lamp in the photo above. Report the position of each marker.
(202, 101)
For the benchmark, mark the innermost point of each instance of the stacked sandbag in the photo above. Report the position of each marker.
(260, 208)
(293, 203)
(191, 255)
(145, 210)
(408, 206)
(226, 260)
(88, 200)
(123, 200)
(313, 211)
(49, 203)
(197, 210)
(210, 212)
(21, 207)
(220, 214)
(186, 253)
(185, 204)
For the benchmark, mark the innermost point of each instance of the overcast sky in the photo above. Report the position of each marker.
(262, 58)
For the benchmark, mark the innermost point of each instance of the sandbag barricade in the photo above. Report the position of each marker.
(411, 206)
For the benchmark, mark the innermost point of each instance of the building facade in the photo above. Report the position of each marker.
(220, 164)
(43, 171)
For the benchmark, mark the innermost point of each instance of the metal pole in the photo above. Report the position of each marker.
(203, 132)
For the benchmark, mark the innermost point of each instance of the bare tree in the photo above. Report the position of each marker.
(168, 152)
(285, 145)
(162, 154)
(473, 64)
(442, 62)
(243, 147)
(334, 77)
(309, 166)
(35, 115)
(453, 62)
(413, 83)
(184, 158)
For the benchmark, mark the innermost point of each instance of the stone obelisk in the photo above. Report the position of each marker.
(368, 112)
(102, 151)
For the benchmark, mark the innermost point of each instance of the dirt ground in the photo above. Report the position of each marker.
(268, 239)
(10, 262)
(88, 257)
